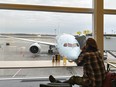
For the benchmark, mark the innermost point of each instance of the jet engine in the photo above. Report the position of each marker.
(35, 48)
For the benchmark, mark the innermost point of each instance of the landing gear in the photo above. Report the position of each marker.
(50, 51)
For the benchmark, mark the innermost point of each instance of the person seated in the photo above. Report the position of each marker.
(93, 68)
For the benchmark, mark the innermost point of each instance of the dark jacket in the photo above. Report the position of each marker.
(93, 68)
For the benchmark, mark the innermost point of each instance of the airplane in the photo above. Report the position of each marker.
(67, 46)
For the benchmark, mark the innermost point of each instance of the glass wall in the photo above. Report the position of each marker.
(38, 22)
(43, 22)
(110, 24)
(31, 25)
(110, 4)
(22, 24)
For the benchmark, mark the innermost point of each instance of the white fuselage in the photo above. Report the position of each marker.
(68, 46)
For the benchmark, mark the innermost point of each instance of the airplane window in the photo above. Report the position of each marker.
(77, 44)
(65, 44)
(70, 44)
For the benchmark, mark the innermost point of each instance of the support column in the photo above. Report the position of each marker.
(98, 24)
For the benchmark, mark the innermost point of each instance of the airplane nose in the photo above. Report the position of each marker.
(74, 55)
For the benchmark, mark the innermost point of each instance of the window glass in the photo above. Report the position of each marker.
(110, 33)
(22, 24)
(109, 24)
(110, 4)
(67, 3)
(13, 21)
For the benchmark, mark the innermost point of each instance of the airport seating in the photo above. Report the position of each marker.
(56, 85)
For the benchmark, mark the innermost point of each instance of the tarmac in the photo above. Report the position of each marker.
(18, 50)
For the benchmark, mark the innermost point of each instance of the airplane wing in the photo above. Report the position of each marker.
(29, 40)
(36, 41)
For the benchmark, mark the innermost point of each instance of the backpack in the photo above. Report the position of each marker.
(110, 80)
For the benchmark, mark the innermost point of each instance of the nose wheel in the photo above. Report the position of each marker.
(50, 51)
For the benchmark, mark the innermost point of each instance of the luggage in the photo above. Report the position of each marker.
(110, 80)
(114, 83)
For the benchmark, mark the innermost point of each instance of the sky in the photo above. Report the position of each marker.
(12, 21)
(74, 3)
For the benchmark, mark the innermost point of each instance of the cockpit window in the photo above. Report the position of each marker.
(71, 45)
(77, 44)
(65, 44)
